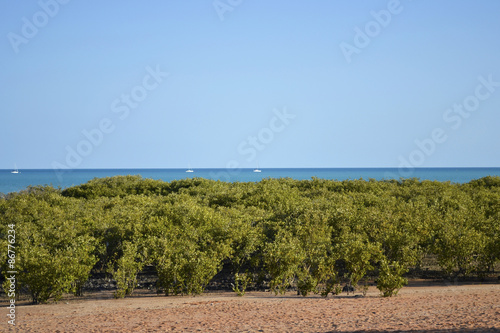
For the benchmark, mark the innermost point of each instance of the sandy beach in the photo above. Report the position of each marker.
(418, 308)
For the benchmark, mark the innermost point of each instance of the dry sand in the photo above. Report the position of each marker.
(418, 308)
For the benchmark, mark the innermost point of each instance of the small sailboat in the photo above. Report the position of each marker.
(189, 169)
(15, 169)
(257, 169)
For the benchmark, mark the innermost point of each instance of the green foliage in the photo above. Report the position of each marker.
(282, 259)
(309, 234)
(184, 268)
(390, 279)
(458, 247)
(358, 256)
(241, 281)
(54, 253)
(128, 266)
(48, 274)
(192, 249)
(318, 267)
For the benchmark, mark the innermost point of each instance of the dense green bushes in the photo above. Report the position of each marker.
(313, 235)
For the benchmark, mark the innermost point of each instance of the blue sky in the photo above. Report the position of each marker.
(235, 83)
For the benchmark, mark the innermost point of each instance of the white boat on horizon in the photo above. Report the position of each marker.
(15, 169)
(257, 169)
(189, 169)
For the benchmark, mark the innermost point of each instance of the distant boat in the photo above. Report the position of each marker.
(15, 170)
(189, 169)
(257, 169)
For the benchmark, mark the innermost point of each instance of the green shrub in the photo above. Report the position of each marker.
(390, 279)
(48, 274)
(128, 266)
(314, 234)
(241, 281)
(282, 259)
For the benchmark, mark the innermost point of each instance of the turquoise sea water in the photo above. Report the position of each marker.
(10, 182)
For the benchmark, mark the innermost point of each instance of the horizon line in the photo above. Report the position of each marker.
(261, 168)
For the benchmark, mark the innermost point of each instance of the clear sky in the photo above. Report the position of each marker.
(240, 83)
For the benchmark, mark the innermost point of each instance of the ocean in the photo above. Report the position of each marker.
(10, 182)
